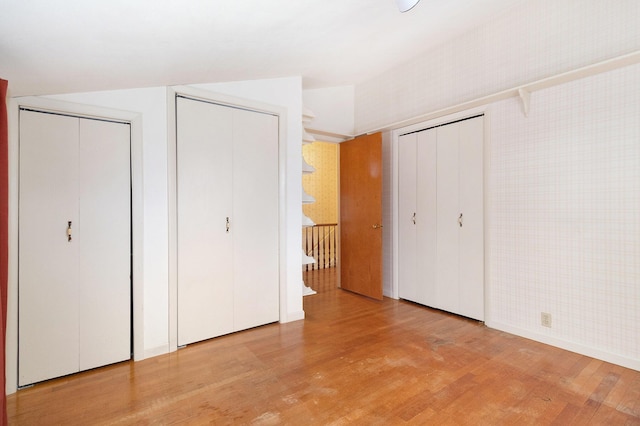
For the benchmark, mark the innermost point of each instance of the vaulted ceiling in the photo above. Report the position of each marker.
(78, 45)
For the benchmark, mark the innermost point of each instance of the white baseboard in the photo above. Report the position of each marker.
(150, 353)
(623, 361)
(293, 316)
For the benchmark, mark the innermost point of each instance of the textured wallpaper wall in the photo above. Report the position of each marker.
(323, 183)
(564, 213)
(530, 41)
(563, 184)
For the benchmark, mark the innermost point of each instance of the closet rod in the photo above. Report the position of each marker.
(522, 91)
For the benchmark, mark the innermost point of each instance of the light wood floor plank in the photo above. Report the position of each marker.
(353, 360)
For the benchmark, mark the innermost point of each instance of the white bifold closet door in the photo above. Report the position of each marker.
(74, 245)
(471, 204)
(448, 215)
(440, 217)
(227, 213)
(460, 217)
(411, 285)
(417, 217)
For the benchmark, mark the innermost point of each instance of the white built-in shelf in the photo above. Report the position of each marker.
(306, 221)
(307, 291)
(307, 138)
(327, 136)
(306, 167)
(306, 198)
(307, 260)
(307, 115)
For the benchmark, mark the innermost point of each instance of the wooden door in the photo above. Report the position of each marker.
(361, 215)
(204, 202)
(48, 263)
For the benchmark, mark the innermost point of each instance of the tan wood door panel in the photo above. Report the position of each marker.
(361, 215)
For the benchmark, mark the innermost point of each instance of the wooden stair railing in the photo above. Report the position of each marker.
(321, 242)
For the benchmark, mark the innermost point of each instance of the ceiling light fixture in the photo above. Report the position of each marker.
(404, 5)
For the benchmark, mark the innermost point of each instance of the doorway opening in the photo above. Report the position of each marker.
(320, 232)
(356, 193)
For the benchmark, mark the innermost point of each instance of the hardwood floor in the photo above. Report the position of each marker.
(352, 361)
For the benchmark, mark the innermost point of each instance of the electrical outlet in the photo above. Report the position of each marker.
(545, 319)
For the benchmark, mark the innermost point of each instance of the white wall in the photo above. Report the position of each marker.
(151, 103)
(530, 41)
(333, 108)
(387, 215)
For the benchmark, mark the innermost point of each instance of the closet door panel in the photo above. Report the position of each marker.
(472, 231)
(407, 210)
(104, 239)
(204, 202)
(48, 262)
(427, 220)
(255, 219)
(448, 212)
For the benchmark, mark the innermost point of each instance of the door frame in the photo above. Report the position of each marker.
(137, 224)
(236, 102)
(395, 135)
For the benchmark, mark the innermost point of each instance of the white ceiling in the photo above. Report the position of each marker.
(64, 46)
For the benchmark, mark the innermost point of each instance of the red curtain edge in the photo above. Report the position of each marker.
(4, 239)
